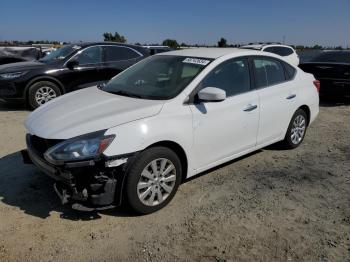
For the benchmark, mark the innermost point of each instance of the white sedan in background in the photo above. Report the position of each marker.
(287, 52)
(165, 119)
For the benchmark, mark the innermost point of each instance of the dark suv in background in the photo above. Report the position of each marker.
(67, 69)
(332, 69)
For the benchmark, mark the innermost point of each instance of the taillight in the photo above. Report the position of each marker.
(317, 84)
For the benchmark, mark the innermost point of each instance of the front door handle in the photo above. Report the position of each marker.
(250, 108)
(291, 96)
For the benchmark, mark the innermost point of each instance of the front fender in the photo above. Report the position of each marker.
(138, 135)
(44, 78)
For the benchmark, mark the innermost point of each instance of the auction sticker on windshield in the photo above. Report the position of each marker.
(196, 61)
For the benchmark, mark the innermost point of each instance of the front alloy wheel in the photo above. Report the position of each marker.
(157, 181)
(152, 179)
(44, 94)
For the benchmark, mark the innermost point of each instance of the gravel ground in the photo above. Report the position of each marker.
(272, 205)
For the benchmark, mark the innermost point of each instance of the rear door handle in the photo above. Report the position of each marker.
(291, 96)
(250, 108)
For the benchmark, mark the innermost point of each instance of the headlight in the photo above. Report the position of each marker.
(80, 148)
(9, 76)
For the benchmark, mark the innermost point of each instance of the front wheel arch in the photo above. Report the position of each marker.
(179, 151)
(43, 78)
(134, 173)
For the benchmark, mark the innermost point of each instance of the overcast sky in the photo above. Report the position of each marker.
(305, 22)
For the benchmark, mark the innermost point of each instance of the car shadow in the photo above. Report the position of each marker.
(8, 107)
(24, 187)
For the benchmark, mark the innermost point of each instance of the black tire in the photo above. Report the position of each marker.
(33, 89)
(133, 175)
(288, 142)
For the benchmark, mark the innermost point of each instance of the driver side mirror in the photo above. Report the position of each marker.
(72, 64)
(211, 94)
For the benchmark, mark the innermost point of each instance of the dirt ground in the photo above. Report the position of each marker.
(272, 205)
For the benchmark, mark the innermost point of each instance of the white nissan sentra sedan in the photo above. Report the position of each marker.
(165, 119)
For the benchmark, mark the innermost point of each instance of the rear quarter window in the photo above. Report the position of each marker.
(291, 71)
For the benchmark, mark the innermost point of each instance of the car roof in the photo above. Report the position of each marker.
(261, 46)
(139, 48)
(85, 44)
(155, 46)
(210, 52)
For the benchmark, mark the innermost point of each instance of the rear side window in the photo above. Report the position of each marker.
(279, 50)
(117, 53)
(231, 76)
(268, 72)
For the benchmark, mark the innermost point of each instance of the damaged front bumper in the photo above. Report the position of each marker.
(86, 185)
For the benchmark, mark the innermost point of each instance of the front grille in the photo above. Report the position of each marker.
(41, 145)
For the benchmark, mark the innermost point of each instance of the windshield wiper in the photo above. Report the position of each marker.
(124, 93)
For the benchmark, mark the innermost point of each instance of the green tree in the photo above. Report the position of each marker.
(114, 38)
(222, 42)
(171, 43)
(317, 47)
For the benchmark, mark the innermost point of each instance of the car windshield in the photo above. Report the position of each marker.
(158, 77)
(60, 53)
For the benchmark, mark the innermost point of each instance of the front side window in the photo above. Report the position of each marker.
(158, 77)
(118, 53)
(60, 53)
(268, 72)
(91, 55)
(231, 76)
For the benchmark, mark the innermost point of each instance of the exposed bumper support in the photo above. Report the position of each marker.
(65, 198)
(62, 194)
(86, 187)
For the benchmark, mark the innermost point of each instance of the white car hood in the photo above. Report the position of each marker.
(87, 111)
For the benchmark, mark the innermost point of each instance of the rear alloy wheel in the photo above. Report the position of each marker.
(42, 92)
(296, 130)
(153, 179)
